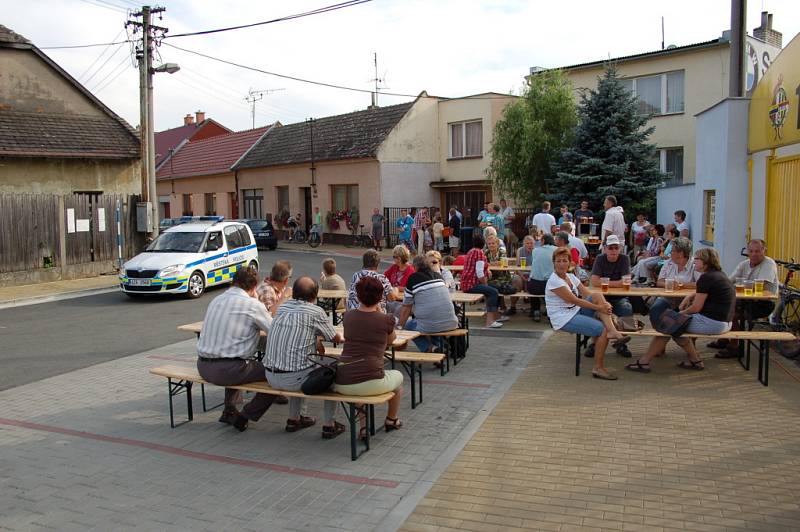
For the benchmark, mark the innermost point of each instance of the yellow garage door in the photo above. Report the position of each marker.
(783, 210)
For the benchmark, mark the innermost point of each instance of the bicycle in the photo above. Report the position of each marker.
(299, 237)
(361, 239)
(787, 313)
(314, 238)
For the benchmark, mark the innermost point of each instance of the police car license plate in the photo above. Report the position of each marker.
(139, 282)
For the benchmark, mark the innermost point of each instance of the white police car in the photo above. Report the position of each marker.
(185, 259)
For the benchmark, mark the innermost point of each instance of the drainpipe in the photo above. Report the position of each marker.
(749, 233)
(738, 35)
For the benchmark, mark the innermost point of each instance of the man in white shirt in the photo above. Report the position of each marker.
(544, 221)
(680, 223)
(614, 222)
(757, 266)
(227, 347)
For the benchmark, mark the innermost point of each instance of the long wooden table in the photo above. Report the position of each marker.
(648, 291)
(509, 268)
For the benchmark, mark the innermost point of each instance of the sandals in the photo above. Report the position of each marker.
(293, 425)
(696, 365)
(329, 433)
(392, 423)
(638, 367)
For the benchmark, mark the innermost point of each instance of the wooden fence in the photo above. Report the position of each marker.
(31, 227)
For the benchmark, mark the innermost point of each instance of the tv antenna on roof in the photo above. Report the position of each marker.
(253, 96)
(377, 80)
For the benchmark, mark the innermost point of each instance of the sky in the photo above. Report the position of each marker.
(445, 47)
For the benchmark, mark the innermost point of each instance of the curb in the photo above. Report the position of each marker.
(35, 300)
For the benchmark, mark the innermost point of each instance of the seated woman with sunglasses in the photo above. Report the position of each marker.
(573, 308)
(368, 332)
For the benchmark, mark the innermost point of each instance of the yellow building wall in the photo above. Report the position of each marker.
(222, 185)
(65, 176)
(705, 84)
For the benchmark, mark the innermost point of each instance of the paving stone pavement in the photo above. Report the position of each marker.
(93, 450)
(670, 450)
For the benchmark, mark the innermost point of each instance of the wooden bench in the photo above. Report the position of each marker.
(412, 364)
(453, 348)
(181, 378)
(748, 337)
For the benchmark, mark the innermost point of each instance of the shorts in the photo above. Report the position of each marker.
(453, 242)
(701, 324)
(584, 323)
(392, 380)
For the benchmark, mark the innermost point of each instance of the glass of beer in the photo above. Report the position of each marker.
(739, 286)
(523, 262)
(759, 287)
(504, 262)
(626, 283)
(604, 282)
(669, 285)
(748, 288)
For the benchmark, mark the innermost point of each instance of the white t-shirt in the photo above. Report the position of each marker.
(507, 214)
(558, 310)
(614, 222)
(683, 226)
(544, 221)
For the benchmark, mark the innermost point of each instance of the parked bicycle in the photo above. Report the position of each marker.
(787, 314)
(360, 239)
(298, 237)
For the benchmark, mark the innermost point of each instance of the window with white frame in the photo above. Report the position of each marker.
(466, 139)
(660, 94)
(671, 163)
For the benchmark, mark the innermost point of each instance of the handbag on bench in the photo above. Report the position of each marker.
(672, 323)
(319, 380)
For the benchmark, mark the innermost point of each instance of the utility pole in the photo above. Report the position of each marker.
(738, 40)
(310, 122)
(144, 54)
(254, 96)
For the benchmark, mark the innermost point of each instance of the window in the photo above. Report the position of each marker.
(244, 235)
(187, 205)
(466, 139)
(253, 200)
(282, 193)
(709, 214)
(344, 197)
(659, 94)
(211, 204)
(671, 163)
(232, 237)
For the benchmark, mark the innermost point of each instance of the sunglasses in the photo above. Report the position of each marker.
(613, 246)
(434, 262)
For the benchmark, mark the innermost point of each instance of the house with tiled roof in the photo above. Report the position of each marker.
(197, 179)
(351, 162)
(195, 127)
(56, 136)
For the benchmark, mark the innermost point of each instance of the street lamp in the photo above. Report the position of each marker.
(152, 196)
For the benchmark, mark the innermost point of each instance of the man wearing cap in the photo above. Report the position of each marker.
(613, 264)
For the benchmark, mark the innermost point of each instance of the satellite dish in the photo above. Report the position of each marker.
(671, 47)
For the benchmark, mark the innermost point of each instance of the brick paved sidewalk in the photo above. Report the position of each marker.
(92, 449)
(673, 449)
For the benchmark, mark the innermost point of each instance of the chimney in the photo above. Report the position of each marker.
(188, 120)
(201, 115)
(766, 33)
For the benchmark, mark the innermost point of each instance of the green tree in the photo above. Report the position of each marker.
(611, 154)
(531, 135)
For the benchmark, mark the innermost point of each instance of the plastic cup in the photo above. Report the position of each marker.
(739, 286)
(758, 286)
(748, 288)
(669, 285)
(626, 283)
(523, 262)
(504, 262)
(604, 282)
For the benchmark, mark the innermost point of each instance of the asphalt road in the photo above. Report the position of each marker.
(40, 341)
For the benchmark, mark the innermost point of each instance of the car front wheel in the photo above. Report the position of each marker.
(197, 285)
(253, 266)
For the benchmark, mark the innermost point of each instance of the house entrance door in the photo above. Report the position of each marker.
(306, 196)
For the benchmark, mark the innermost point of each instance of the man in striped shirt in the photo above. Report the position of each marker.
(428, 298)
(227, 347)
(370, 262)
(294, 335)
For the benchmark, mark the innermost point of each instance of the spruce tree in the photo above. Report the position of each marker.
(610, 154)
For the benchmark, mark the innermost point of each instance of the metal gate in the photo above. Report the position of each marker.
(783, 198)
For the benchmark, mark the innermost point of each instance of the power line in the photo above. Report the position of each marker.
(105, 5)
(101, 54)
(112, 80)
(111, 73)
(325, 9)
(82, 45)
(313, 82)
(102, 66)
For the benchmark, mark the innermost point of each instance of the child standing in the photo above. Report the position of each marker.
(438, 239)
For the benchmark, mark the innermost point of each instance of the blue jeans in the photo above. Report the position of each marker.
(584, 323)
(423, 342)
(621, 306)
(489, 292)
